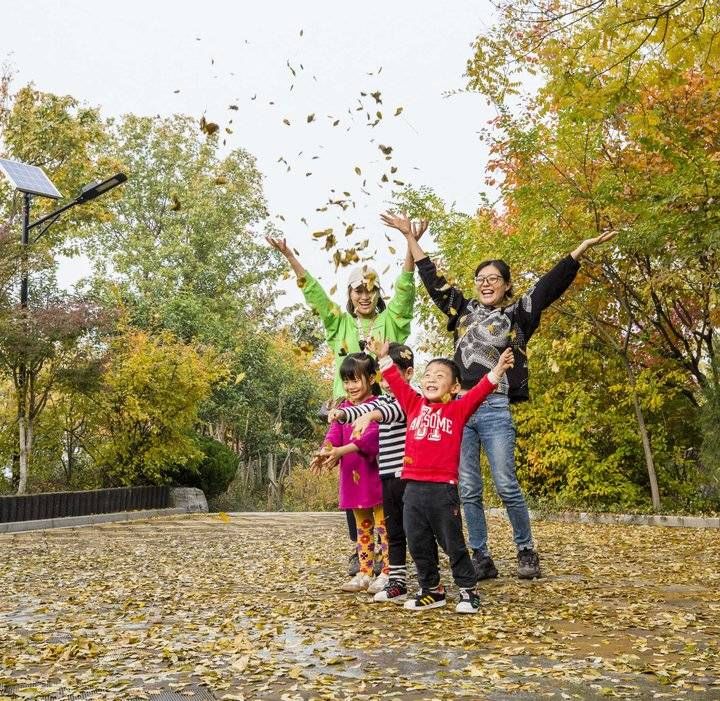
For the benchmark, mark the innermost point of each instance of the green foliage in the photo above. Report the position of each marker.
(147, 405)
(212, 471)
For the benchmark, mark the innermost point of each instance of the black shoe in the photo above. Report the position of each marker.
(427, 599)
(353, 564)
(528, 564)
(469, 601)
(484, 566)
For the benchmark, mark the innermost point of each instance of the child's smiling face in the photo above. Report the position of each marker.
(357, 389)
(438, 383)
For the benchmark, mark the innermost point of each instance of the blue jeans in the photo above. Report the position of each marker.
(491, 428)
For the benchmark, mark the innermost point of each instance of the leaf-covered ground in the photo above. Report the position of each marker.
(203, 607)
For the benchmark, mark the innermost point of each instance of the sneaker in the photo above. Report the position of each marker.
(378, 584)
(427, 599)
(360, 582)
(353, 564)
(528, 564)
(395, 591)
(469, 601)
(484, 566)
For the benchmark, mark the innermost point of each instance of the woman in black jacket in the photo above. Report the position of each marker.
(483, 326)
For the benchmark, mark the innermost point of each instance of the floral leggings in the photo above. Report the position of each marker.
(369, 523)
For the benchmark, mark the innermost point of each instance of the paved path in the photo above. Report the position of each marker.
(248, 607)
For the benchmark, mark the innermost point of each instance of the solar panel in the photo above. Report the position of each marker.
(30, 179)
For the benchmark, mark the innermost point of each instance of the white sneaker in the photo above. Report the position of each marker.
(378, 584)
(360, 582)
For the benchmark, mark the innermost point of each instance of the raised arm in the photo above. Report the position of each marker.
(579, 252)
(473, 398)
(312, 291)
(412, 231)
(281, 245)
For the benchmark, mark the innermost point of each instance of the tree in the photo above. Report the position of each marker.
(65, 138)
(147, 405)
(621, 134)
(180, 250)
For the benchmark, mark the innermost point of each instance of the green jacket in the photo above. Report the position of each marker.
(341, 328)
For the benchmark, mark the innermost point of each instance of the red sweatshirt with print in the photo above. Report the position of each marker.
(434, 429)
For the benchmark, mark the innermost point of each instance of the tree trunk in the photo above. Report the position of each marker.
(22, 482)
(647, 448)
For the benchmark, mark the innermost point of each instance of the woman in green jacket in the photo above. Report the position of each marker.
(365, 316)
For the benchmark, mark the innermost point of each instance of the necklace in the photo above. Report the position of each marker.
(365, 334)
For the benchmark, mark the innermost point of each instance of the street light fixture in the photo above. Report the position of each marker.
(32, 181)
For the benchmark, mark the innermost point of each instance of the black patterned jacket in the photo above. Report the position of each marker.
(481, 333)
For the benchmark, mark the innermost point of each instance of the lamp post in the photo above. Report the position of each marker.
(31, 180)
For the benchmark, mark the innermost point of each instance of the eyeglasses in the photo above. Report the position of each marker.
(492, 279)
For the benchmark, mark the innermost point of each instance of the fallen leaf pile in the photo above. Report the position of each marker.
(248, 607)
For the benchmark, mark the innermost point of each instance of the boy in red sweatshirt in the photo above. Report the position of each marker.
(435, 422)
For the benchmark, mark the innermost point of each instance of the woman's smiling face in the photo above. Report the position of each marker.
(490, 286)
(364, 301)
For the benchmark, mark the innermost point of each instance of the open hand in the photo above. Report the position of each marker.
(419, 228)
(279, 245)
(360, 425)
(399, 222)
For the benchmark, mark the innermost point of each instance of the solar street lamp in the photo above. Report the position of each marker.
(32, 181)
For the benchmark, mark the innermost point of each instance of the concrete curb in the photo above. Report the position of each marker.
(89, 520)
(619, 519)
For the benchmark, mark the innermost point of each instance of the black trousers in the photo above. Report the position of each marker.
(431, 515)
(393, 490)
(352, 526)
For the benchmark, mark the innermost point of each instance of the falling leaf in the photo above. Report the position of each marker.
(286, 121)
(398, 111)
(221, 180)
(333, 289)
(301, 32)
(176, 205)
(233, 107)
(357, 170)
(336, 122)
(386, 150)
(376, 96)
(311, 118)
(208, 128)
(392, 249)
(176, 91)
(224, 517)
(301, 281)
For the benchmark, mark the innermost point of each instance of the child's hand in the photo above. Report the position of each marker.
(399, 222)
(318, 459)
(360, 425)
(335, 415)
(331, 458)
(379, 348)
(505, 361)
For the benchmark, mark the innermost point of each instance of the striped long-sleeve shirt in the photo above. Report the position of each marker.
(392, 432)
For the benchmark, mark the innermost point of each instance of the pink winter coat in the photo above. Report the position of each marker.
(360, 486)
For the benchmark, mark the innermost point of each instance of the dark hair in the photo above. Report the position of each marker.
(503, 269)
(401, 355)
(450, 364)
(355, 366)
(379, 305)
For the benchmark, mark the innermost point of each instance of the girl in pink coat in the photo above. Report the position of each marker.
(360, 488)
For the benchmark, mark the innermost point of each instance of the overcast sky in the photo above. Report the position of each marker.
(198, 58)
